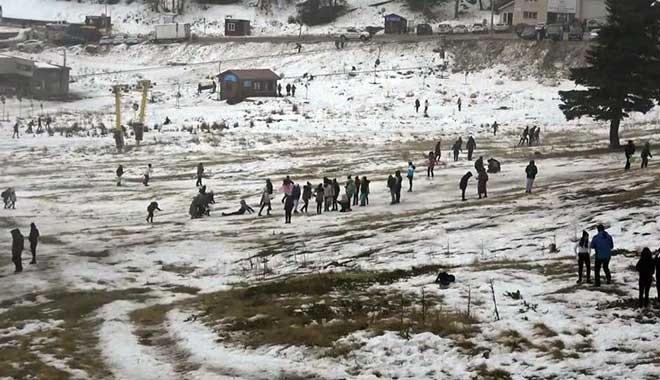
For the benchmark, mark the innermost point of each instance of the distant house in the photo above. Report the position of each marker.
(237, 85)
(236, 27)
(37, 80)
(101, 23)
(395, 24)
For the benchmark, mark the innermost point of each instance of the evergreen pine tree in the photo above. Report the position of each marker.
(623, 67)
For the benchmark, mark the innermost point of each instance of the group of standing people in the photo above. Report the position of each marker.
(530, 136)
(18, 245)
(630, 149)
(290, 89)
(602, 244)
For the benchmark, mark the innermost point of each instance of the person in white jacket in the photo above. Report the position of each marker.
(582, 252)
(147, 175)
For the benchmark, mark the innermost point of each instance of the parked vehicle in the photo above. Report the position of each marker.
(353, 34)
(171, 32)
(501, 28)
(479, 28)
(132, 40)
(444, 29)
(105, 41)
(459, 29)
(527, 32)
(554, 32)
(575, 33)
(424, 30)
(30, 46)
(593, 35)
(119, 39)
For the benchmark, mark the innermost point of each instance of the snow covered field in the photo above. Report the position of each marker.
(114, 297)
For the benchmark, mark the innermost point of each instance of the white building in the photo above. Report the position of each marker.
(514, 12)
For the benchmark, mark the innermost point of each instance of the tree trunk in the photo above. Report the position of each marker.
(481, 5)
(456, 9)
(614, 133)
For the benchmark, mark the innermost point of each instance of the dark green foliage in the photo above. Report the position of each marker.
(623, 71)
(424, 4)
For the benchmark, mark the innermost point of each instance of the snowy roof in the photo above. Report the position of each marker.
(254, 74)
(44, 65)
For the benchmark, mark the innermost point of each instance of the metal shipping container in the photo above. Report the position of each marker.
(172, 32)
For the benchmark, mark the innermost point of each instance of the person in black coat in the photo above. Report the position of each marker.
(391, 184)
(656, 261)
(629, 151)
(34, 240)
(288, 208)
(244, 208)
(306, 196)
(417, 104)
(471, 145)
(17, 246)
(200, 174)
(336, 189)
(120, 172)
(479, 165)
(645, 266)
(153, 206)
(646, 153)
(464, 183)
(457, 148)
(356, 195)
(288, 89)
(397, 186)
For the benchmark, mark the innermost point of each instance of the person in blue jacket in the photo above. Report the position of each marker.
(410, 174)
(602, 244)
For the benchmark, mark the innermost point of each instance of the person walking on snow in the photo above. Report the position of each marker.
(391, 184)
(364, 191)
(306, 196)
(295, 194)
(645, 266)
(33, 238)
(410, 174)
(15, 134)
(430, 165)
(147, 175)
(329, 193)
(279, 90)
(264, 202)
(153, 206)
(438, 150)
(288, 208)
(356, 194)
(398, 184)
(319, 196)
(471, 146)
(200, 174)
(288, 89)
(479, 164)
(524, 138)
(457, 148)
(482, 181)
(464, 183)
(495, 128)
(629, 151)
(120, 172)
(426, 108)
(602, 244)
(17, 246)
(417, 104)
(349, 189)
(335, 193)
(582, 253)
(531, 171)
(656, 261)
(459, 104)
(646, 153)
(293, 90)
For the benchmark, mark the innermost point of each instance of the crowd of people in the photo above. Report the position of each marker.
(602, 244)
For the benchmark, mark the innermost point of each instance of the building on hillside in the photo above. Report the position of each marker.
(236, 27)
(31, 79)
(102, 23)
(395, 24)
(531, 12)
(237, 85)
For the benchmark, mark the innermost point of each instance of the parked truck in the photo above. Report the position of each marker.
(171, 32)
